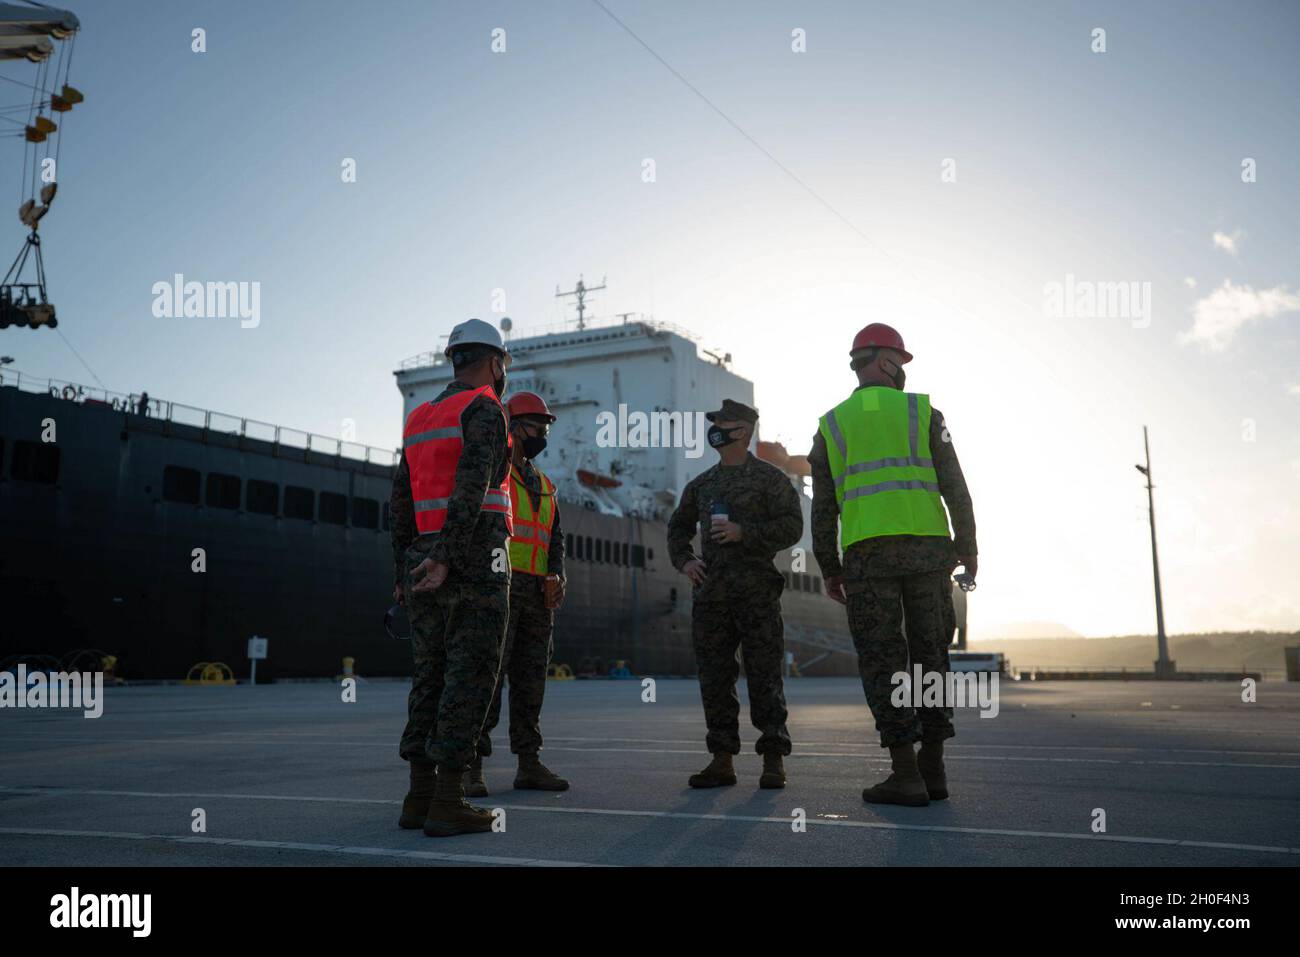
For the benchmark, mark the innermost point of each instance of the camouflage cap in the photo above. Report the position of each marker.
(733, 411)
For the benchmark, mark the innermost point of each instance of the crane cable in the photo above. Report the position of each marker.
(42, 97)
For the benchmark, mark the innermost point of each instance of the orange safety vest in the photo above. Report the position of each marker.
(432, 443)
(530, 542)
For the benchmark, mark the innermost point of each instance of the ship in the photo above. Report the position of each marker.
(161, 537)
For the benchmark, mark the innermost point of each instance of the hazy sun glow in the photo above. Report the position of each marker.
(480, 173)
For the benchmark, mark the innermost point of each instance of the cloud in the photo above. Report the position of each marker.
(1228, 243)
(1220, 315)
(1189, 282)
(1293, 389)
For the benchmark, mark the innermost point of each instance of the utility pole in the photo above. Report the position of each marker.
(1164, 667)
(580, 291)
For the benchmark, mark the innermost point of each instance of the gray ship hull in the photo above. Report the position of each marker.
(101, 529)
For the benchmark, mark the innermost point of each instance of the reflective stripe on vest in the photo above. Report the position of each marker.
(878, 444)
(530, 543)
(432, 443)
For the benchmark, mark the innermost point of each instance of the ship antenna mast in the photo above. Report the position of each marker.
(580, 291)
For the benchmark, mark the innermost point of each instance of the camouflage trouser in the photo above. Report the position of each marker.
(876, 619)
(720, 631)
(456, 637)
(524, 661)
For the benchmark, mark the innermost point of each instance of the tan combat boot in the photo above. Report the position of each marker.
(415, 806)
(904, 786)
(535, 776)
(773, 775)
(719, 773)
(449, 814)
(475, 784)
(929, 761)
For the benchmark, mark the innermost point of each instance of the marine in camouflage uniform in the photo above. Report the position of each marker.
(529, 632)
(528, 643)
(737, 604)
(883, 577)
(457, 630)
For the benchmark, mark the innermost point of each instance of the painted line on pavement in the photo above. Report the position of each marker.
(877, 756)
(688, 816)
(297, 846)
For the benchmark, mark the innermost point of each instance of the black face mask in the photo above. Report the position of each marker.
(898, 376)
(718, 436)
(532, 445)
(499, 385)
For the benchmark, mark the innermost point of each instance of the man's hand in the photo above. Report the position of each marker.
(399, 596)
(835, 589)
(429, 576)
(723, 532)
(970, 563)
(694, 570)
(553, 599)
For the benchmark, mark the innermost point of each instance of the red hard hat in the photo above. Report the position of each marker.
(880, 336)
(528, 403)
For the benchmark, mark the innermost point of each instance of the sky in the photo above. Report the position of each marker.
(956, 170)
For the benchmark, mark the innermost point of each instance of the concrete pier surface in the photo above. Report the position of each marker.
(1187, 774)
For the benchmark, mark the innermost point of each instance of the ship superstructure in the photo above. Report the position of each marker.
(630, 393)
(621, 373)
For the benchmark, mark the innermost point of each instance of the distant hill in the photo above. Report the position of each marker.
(1250, 651)
(1033, 629)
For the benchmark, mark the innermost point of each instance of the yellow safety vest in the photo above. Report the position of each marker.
(878, 444)
(530, 545)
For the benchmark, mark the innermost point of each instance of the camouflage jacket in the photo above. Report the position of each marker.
(892, 555)
(764, 503)
(555, 555)
(470, 536)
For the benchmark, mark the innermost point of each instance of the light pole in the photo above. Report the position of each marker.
(1164, 667)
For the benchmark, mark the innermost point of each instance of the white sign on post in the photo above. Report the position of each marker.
(256, 653)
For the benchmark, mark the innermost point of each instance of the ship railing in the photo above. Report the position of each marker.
(1026, 671)
(603, 322)
(205, 419)
(427, 359)
(422, 361)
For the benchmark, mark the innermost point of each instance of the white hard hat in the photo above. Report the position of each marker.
(475, 332)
